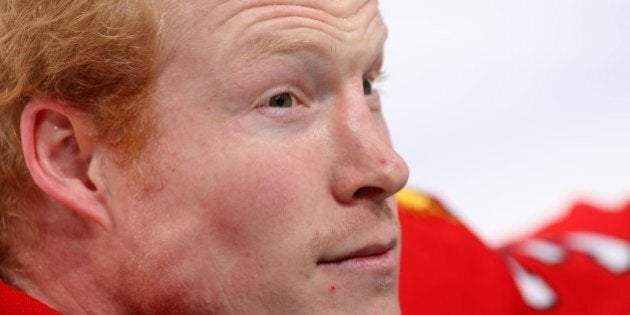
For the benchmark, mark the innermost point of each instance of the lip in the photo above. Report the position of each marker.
(373, 255)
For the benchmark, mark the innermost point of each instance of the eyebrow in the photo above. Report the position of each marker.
(270, 46)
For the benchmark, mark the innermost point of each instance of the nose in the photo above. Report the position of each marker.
(366, 166)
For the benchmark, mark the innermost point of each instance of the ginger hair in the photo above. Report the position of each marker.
(97, 56)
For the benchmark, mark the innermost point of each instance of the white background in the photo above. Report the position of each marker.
(509, 110)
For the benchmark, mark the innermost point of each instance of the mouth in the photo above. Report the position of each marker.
(374, 255)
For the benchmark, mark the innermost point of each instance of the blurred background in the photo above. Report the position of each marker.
(510, 110)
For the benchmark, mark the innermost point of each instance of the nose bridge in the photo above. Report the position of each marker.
(357, 128)
(366, 159)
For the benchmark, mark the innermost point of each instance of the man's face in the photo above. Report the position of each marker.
(274, 168)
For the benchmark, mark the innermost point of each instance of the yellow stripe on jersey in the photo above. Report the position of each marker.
(413, 200)
(422, 204)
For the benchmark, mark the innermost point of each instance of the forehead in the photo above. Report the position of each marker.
(258, 27)
(227, 9)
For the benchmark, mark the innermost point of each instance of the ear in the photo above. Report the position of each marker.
(59, 150)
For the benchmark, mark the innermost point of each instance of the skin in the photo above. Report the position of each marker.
(240, 206)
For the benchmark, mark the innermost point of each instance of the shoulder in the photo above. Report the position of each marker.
(445, 267)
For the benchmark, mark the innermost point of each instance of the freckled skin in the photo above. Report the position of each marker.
(251, 197)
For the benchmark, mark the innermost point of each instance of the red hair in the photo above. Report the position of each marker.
(95, 56)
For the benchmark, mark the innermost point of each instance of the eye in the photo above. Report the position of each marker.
(281, 100)
(367, 87)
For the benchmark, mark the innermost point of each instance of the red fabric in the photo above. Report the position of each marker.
(582, 284)
(586, 217)
(582, 287)
(15, 302)
(445, 269)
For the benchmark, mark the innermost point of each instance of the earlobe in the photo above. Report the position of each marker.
(59, 153)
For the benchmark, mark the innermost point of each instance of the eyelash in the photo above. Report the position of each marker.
(375, 76)
(299, 103)
(264, 100)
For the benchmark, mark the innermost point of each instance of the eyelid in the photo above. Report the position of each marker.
(300, 99)
(375, 76)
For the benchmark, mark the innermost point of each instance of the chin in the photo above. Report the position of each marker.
(378, 295)
(388, 305)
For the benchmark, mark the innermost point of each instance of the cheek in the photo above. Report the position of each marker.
(262, 216)
(243, 216)
(255, 196)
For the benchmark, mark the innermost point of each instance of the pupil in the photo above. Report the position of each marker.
(281, 100)
(367, 87)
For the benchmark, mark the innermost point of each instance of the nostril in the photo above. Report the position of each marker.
(368, 192)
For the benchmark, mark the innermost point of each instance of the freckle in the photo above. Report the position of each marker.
(332, 288)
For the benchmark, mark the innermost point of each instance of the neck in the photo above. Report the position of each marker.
(69, 278)
(65, 267)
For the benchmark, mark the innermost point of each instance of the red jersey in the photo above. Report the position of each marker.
(13, 301)
(579, 264)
